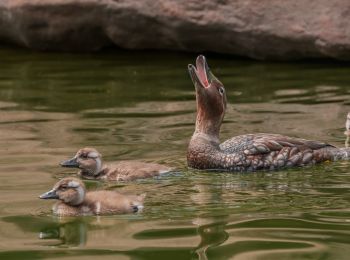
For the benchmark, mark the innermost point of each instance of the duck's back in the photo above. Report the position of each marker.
(272, 151)
(132, 170)
(262, 143)
(110, 202)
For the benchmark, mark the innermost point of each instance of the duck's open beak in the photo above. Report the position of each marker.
(71, 163)
(200, 74)
(49, 195)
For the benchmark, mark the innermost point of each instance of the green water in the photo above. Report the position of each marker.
(136, 105)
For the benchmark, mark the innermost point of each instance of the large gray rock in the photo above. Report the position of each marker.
(275, 29)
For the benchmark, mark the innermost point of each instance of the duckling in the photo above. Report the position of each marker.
(249, 152)
(89, 160)
(75, 201)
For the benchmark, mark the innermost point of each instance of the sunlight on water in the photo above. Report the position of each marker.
(136, 105)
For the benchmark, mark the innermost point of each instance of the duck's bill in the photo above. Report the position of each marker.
(49, 195)
(200, 74)
(72, 163)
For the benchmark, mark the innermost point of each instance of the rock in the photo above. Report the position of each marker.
(275, 29)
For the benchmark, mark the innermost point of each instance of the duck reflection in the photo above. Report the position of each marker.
(347, 131)
(72, 231)
(69, 233)
(210, 229)
(211, 235)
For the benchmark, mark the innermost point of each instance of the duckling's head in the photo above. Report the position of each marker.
(89, 160)
(210, 96)
(70, 190)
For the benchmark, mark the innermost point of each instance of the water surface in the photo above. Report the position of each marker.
(141, 105)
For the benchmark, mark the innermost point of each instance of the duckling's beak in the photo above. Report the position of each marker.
(71, 163)
(49, 195)
(200, 74)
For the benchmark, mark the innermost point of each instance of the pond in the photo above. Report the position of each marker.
(141, 106)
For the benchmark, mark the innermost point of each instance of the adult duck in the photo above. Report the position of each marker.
(249, 152)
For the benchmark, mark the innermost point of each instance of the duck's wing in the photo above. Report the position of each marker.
(254, 144)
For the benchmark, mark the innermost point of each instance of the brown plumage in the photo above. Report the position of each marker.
(89, 161)
(248, 152)
(75, 201)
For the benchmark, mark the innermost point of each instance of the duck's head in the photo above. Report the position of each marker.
(89, 160)
(210, 96)
(70, 190)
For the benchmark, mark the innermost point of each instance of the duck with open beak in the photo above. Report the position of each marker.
(249, 152)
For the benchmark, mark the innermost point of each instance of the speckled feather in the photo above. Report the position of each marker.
(254, 152)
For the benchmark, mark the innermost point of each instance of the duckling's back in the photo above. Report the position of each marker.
(110, 202)
(132, 170)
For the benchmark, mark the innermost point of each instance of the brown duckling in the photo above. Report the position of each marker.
(75, 201)
(249, 152)
(89, 161)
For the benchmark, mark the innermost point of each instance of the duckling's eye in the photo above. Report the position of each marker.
(221, 90)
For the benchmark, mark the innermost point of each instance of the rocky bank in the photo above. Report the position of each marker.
(275, 29)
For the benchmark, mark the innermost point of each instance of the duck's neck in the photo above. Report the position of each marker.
(207, 126)
(79, 199)
(203, 151)
(206, 139)
(101, 170)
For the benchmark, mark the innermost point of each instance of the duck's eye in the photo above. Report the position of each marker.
(84, 156)
(221, 90)
(63, 188)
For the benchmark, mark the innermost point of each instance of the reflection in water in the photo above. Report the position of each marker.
(211, 235)
(347, 130)
(72, 233)
(142, 106)
(302, 237)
